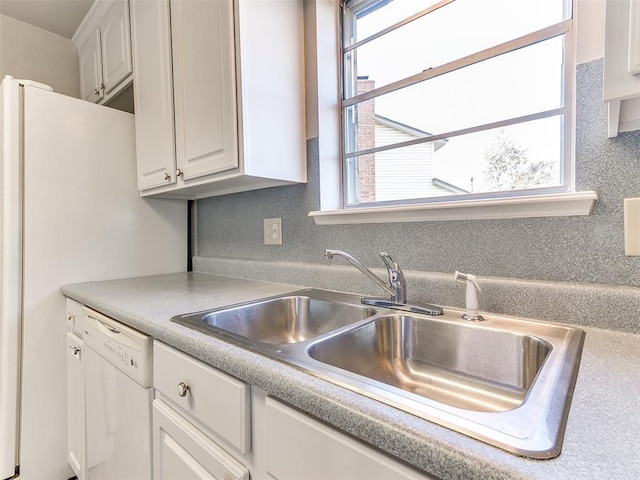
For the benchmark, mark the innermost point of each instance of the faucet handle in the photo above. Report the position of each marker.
(395, 272)
(396, 277)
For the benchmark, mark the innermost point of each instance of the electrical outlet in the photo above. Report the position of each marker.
(632, 226)
(273, 231)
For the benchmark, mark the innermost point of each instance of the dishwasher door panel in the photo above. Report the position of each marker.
(118, 422)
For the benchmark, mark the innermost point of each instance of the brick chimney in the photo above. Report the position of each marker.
(366, 139)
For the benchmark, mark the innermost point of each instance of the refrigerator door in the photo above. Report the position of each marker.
(11, 271)
(83, 221)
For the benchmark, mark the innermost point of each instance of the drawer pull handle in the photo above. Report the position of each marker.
(183, 389)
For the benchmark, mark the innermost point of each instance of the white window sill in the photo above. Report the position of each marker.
(551, 205)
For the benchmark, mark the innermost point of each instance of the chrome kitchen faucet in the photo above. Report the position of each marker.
(397, 287)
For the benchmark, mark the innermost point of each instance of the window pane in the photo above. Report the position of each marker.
(399, 174)
(449, 33)
(375, 15)
(528, 82)
(522, 82)
(518, 157)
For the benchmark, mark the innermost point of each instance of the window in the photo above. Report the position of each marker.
(454, 100)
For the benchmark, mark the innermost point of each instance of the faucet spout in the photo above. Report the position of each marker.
(331, 253)
(397, 287)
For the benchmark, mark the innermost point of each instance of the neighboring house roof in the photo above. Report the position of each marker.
(448, 186)
(410, 130)
(364, 8)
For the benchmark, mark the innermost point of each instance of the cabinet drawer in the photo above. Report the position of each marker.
(219, 401)
(74, 316)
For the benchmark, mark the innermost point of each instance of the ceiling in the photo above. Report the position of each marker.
(58, 16)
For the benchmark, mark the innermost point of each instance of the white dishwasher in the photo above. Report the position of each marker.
(118, 379)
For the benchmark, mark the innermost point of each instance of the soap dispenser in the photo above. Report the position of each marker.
(473, 288)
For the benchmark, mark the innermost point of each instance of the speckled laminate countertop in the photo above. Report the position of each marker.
(602, 431)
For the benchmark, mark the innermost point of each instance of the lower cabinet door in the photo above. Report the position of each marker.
(302, 448)
(182, 452)
(75, 406)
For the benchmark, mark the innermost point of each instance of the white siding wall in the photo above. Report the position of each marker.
(404, 173)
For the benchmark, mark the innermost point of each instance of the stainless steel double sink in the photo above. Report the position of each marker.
(507, 382)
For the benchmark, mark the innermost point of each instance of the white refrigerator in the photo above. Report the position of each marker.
(70, 213)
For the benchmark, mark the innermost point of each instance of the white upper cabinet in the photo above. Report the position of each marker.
(91, 69)
(204, 87)
(622, 65)
(153, 87)
(104, 45)
(219, 95)
(116, 46)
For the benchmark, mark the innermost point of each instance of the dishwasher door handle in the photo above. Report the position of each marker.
(106, 326)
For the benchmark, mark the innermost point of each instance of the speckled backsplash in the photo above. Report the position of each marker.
(583, 250)
(583, 304)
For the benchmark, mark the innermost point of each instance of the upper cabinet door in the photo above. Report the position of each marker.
(204, 87)
(153, 92)
(116, 45)
(91, 69)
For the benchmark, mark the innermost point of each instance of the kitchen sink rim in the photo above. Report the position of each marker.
(517, 440)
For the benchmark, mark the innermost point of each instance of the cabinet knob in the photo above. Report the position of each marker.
(71, 317)
(167, 177)
(179, 173)
(74, 350)
(96, 92)
(183, 389)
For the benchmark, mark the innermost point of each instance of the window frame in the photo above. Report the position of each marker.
(352, 8)
(324, 42)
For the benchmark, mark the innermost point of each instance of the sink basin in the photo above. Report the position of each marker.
(505, 381)
(282, 320)
(468, 368)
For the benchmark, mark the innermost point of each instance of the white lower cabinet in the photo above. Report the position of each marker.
(201, 420)
(214, 399)
(108, 397)
(300, 447)
(183, 452)
(208, 424)
(74, 317)
(205, 424)
(76, 439)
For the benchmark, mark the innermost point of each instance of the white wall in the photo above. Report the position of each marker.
(35, 54)
(589, 17)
